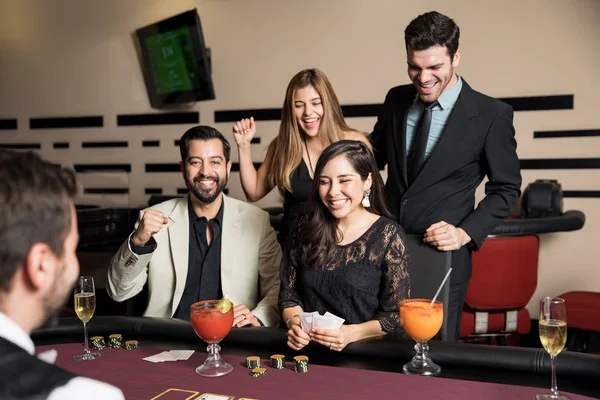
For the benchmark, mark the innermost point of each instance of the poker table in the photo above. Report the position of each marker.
(368, 369)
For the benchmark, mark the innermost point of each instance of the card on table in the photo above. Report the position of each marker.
(173, 355)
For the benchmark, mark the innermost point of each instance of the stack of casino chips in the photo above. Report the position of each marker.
(131, 344)
(115, 341)
(97, 342)
(301, 364)
(278, 361)
(252, 362)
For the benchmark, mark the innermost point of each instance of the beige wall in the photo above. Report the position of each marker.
(77, 57)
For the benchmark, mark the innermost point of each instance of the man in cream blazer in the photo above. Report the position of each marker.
(239, 251)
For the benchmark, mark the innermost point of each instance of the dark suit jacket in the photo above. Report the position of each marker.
(478, 140)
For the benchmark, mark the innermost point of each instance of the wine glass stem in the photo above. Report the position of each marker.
(85, 342)
(554, 388)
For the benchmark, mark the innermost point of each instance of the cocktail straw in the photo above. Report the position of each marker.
(441, 286)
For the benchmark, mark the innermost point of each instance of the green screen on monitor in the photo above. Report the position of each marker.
(172, 61)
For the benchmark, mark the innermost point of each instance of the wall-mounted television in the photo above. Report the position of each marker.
(175, 61)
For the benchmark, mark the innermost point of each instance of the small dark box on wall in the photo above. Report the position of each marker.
(542, 198)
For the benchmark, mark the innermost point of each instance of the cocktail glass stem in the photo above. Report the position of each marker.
(213, 352)
(421, 364)
(214, 364)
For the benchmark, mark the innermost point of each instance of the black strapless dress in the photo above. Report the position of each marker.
(295, 201)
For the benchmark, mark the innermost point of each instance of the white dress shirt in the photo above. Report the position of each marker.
(78, 388)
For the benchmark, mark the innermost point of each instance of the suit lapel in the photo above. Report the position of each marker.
(179, 237)
(399, 123)
(449, 144)
(230, 240)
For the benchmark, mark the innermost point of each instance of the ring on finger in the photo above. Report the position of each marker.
(244, 317)
(331, 346)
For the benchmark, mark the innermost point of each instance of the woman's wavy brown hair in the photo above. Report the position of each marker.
(287, 146)
(317, 233)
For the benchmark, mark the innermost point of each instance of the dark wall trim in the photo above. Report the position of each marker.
(61, 145)
(259, 114)
(162, 168)
(106, 191)
(561, 163)
(66, 122)
(235, 167)
(102, 167)
(8, 124)
(531, 103)
(540, 103)
(153, 191)
(151, 143)
(565, 134)
(158, 119)
(23, 146)
(582, 193)
(104, 144)
(255, 140)
(182, 190)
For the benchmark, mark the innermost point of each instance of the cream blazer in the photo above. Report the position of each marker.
(250, 260)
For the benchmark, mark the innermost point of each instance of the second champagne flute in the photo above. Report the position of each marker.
(553, 335)
(85, 305)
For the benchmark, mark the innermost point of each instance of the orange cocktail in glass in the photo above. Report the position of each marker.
(212, 324)
(421, 320)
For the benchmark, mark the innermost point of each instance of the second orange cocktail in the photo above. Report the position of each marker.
(421, 320)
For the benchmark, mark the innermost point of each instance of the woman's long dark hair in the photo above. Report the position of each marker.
(317, 232)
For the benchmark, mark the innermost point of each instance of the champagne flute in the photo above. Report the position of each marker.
(85, 305)
(553, 335)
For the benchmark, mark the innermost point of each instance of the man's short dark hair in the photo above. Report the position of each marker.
(35, 207)
(202, 132)
(431, 29)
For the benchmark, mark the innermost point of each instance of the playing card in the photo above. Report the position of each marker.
(320, 321)
(306, 321)
(338, 321)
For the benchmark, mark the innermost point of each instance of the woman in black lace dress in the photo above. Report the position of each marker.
(347, 256)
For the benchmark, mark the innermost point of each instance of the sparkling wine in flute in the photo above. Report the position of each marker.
(85, 305)
(553, 335)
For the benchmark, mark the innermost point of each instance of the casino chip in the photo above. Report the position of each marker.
(115, 341)
(131, 344)
(256, 372)
(252, 362)
(98, 342)
(301, 364)
(278, 361)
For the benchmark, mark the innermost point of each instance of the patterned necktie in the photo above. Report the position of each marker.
(416, 156)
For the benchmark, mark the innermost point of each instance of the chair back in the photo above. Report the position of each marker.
(428, 267)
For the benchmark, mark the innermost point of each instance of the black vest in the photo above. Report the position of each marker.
(23, 376)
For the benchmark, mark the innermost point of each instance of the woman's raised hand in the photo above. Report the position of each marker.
(243, 131)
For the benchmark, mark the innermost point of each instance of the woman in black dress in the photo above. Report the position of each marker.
(346, 255)
(311, 120)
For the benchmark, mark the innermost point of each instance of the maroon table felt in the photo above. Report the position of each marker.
(139, 379)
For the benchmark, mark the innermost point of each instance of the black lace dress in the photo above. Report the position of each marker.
(367, 280)
(295, 201)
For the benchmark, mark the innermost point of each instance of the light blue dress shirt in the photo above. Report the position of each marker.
(439, 117)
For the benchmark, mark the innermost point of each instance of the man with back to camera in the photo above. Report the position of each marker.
(38, 268)
(440, 138)
(203, 245)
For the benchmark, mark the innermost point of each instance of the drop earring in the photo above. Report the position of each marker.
(365, 201)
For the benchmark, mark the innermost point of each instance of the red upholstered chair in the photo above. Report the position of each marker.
(503, 281)
(583, 317)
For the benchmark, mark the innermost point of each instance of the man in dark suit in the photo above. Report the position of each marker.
(38, 267)
(440, 138)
